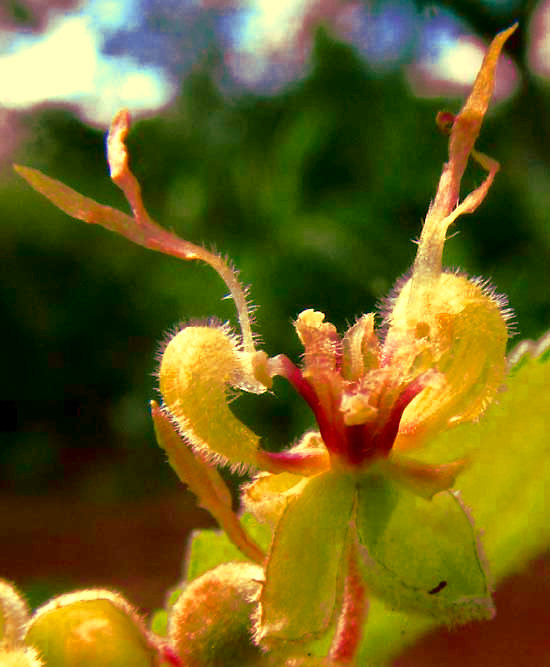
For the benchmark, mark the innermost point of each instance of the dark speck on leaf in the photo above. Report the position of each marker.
(440, 586)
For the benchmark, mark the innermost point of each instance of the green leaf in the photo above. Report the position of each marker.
(159, 622)
(512, 511)
(209, 548)
(421, 555)
(304, 567)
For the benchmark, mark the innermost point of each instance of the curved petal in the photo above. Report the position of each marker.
(196, 367)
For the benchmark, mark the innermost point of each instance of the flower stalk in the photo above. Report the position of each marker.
(353, 616)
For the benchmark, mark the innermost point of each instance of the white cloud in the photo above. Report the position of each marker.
(66, 65)
(61, 65)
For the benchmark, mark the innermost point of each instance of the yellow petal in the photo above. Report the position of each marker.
(196, 367)
(464, 329)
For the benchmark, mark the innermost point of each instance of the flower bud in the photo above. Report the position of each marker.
(13, 615)
(90, 628)
(210, 622)
(20, 657)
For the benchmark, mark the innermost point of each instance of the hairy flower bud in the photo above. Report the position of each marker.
(90, 628)
(20, 657)
(210, 623)
(13, 615)
(458, 328)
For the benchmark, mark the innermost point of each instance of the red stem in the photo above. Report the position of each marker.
(349, 631)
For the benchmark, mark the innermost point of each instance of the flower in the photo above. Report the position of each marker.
(348, 503)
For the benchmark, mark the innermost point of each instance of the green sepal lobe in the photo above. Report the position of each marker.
(420, 555)
(305, 564)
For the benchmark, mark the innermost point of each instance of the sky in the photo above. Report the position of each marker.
(110, 54)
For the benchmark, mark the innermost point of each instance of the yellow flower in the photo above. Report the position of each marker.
(437, 361)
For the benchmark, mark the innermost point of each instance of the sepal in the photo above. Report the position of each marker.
(306, 562)
(421, 556)
(424, 479)
(205, 481)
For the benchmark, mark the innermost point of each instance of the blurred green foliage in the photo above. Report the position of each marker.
(315, 194)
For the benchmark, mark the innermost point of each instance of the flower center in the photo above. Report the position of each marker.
(354, 444)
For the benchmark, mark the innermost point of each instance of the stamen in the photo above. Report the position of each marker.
(333, 430)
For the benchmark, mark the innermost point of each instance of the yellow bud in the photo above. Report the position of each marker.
(13, 615)
(90, 628)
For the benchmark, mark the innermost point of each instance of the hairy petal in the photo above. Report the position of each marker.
(464, 332)
(197, 367)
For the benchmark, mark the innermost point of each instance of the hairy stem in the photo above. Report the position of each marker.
(349, 630)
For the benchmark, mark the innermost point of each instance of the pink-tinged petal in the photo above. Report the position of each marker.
(298, 462)
(322, 394)
(322, 345)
